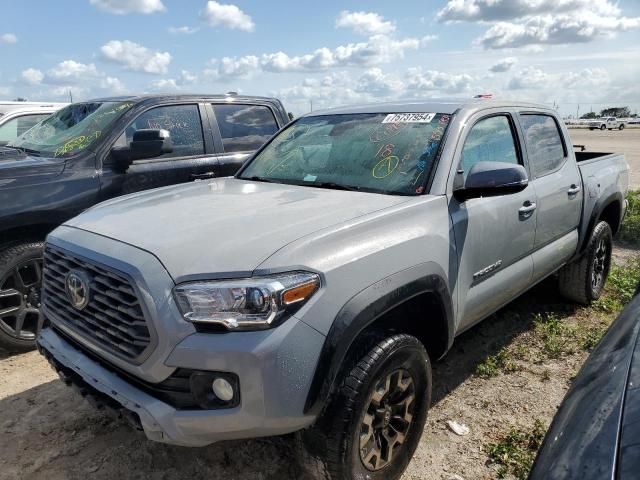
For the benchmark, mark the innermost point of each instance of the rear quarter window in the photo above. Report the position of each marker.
(244, 128)
(545, 149)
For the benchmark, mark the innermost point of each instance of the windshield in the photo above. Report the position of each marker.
(384, 153)
(70, 130)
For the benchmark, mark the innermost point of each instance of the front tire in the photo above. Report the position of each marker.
(603, 127)
(20, 283)
(375, 420)
(583, 280)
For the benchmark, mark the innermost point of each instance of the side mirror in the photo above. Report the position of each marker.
(146, 143)
(490, 179)
(149, 143)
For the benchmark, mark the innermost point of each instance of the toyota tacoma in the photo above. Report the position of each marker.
(313, 290)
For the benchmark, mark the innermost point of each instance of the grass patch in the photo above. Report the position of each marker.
(494, 364)
(620, 287)
(630, 230)
(516, 451)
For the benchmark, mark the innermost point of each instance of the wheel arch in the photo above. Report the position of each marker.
(421, 289)
(608, 209)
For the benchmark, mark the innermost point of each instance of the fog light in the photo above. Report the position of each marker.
(222, 389)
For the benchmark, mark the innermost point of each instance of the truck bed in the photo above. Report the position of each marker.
(585, 156)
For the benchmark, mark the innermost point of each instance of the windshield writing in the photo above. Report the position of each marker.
(72, 129)
(386, 153)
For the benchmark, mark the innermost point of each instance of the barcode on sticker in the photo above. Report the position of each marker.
(409, 118)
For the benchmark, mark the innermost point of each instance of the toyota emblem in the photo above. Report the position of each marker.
(76, 285)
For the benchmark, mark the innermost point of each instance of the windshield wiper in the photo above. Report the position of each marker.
(334, 186)
(259, 179)
(28, 151)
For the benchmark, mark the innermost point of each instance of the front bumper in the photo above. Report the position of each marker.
(274, 377)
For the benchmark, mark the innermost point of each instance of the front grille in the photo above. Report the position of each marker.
(113, 318)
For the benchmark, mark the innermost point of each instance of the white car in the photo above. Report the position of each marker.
(18, 117)
(606, 123)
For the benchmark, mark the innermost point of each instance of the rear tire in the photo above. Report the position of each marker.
(583, 280)
(373, 424)
(20, 283)
(621, 127)
(603, 127)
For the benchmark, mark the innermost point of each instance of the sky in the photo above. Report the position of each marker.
(579, 55)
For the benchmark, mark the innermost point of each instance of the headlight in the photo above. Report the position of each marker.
(246, 304)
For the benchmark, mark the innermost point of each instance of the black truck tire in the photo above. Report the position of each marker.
(20, 282)
(373, 424)
(583, 280)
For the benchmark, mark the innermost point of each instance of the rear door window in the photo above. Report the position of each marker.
(545, 149)
(182, 122)
(244, 128)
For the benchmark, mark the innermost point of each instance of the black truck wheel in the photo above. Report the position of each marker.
(374, 422)
(603, 127)
(20, 282)
(583, 280)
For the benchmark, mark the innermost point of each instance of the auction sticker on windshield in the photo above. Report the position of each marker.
(409, 118)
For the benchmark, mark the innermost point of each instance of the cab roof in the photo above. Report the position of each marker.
(447, 106)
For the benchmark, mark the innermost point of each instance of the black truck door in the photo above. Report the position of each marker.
(242, 129)
(193, 154)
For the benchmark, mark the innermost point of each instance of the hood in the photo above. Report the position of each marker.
(14, 163)
(226, 227)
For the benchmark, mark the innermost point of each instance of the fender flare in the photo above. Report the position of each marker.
(596, 212)
(365, 308)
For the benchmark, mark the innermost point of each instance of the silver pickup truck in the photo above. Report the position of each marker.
(312, 290)
(606, 123)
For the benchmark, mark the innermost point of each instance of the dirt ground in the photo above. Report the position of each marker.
(626, 141)
(48, 432)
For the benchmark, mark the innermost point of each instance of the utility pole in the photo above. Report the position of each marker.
(311, 105)
(578, 112)
(70, 97)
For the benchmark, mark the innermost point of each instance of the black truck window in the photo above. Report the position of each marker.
(244, 127)
(182, 122)
(544, 144)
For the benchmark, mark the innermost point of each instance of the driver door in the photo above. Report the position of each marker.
(494, 235)
(193, 153)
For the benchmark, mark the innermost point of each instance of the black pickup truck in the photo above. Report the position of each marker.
(95, 150)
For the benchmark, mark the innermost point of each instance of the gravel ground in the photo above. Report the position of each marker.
(626, 141)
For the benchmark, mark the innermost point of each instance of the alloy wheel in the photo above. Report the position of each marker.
(387, 419)
(20, 300)
(600, 260)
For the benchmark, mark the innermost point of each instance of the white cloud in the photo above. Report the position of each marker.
(503, 10)
(124, 7)
(424, 41)
(555, 29)
(113, 86)
(32, 76)
(529, 78)
(227, 15)
(174, 84)
(365, 23)
(419, 81)
(136, 57)
(378, 84)
(523, 23)
(70, 71)
(186, 30)
(504, 65)
(8, 38)
(377, 50)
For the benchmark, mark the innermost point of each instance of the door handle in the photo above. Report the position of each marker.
(573, 190)
(527, 209)
(203, 176)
